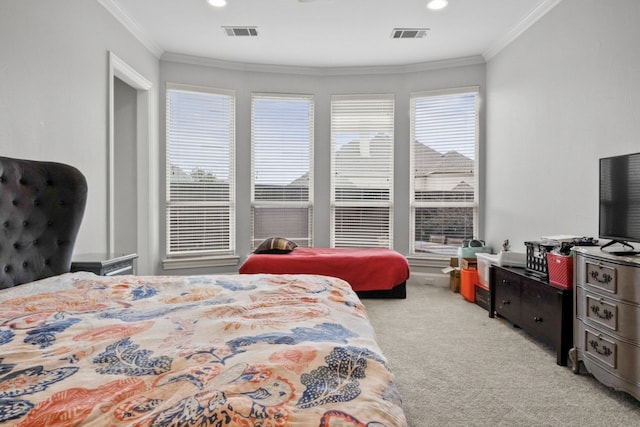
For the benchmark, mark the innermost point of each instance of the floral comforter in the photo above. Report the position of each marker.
(235, 350)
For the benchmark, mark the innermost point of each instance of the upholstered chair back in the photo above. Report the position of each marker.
(41, 208)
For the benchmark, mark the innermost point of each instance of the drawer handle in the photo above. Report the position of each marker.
(595, 345)
(506, 302)
(606, 277)
(505, 282)
(606, 313)
(537, 319)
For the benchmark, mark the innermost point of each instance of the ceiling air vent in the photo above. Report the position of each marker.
(409, 33)
(241, 31)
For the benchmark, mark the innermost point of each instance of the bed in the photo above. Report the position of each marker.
(241, 350)
(77, 349)
(371, 272)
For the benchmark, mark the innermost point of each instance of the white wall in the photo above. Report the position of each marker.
(561, 96)
(322, 84)
(54, 91)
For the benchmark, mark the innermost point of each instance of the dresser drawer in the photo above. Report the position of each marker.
(601, 275)
(601, 347)
(619, 280)
(602, 311)
(620, 318)
(615, 355)
(507, 295)
(540, 311)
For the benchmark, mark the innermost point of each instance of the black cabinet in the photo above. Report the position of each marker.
(541, 310)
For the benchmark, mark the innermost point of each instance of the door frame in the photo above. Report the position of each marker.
(146, 164)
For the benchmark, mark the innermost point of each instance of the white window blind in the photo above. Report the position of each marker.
(444, 184)
(282, 167)
(200, 171)
(362, 138)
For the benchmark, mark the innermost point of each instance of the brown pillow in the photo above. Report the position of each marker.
(275, 245)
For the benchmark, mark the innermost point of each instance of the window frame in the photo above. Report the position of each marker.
(414, 204)
(192, 258)
(388, 204)
(276, 204)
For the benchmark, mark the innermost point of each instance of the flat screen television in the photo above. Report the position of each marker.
(619, 218)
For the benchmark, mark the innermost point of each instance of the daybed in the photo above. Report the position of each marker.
(226, 350)
(371, 272)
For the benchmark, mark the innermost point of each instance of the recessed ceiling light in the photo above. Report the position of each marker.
(437, 4)
(217, 3)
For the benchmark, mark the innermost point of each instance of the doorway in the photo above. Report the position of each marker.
(125, 161)
(132, 166)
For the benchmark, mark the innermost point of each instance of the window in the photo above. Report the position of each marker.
(200, 171)
(444, 185)
(362, 170)
(282, 167)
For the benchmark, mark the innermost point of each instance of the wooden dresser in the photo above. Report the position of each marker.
(541, 310)
(607, 318)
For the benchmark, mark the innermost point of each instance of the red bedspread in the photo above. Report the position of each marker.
(366, 269)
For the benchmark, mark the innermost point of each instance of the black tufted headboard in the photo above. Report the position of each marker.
(41, 208)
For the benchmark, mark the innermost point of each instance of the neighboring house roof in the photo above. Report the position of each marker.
(440, 182)
(302, 181)
(450, 171)
(371, 156)
(179, 175)
(451, 161)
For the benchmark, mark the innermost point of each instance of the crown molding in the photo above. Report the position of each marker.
(321, 71)
(121, 16)
(520, 28)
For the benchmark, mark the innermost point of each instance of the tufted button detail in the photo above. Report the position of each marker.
(40, 210)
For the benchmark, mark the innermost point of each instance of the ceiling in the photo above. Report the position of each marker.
(327, 33)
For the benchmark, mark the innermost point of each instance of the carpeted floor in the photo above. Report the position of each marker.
(455, 366)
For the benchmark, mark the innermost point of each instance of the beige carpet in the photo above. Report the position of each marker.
(457, 367)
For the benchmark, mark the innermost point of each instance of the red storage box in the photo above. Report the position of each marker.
(468, 280)
(560, 270)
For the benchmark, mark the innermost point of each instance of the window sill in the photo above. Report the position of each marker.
(199, 262)
(428, 261)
